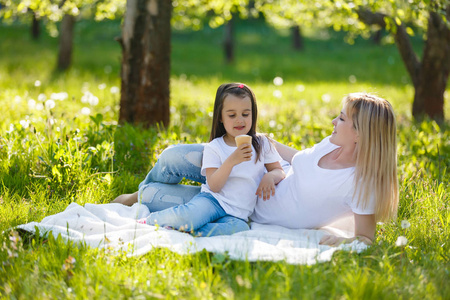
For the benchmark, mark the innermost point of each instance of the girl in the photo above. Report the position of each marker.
(235, 176)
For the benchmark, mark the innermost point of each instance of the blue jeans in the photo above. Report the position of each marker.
(160, 191)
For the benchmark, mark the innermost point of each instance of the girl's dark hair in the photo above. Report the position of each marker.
(242, 91)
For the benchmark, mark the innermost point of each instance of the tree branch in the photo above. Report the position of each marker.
(402, 40)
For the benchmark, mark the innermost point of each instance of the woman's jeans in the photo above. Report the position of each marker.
(160, 191)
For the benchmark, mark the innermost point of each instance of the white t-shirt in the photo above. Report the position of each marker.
(310, 196)
(237, 196)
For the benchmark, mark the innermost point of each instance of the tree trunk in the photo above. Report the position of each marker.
(145, 72)
(430, 75)
(35, 27)
(66, 42)
(228, 43)
(297, 39)
(434, 71)
(376, 36)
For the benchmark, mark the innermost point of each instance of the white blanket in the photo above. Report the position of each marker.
(114, 226)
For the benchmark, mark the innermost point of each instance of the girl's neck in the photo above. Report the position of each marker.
(229, 140)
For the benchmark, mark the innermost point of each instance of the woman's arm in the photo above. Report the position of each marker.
(286, 152)
(365, 226)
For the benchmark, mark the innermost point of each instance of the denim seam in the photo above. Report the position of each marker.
(181, 175)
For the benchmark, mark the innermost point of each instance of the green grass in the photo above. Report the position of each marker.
(52, 157)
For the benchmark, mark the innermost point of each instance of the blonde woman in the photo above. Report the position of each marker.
(353, 171)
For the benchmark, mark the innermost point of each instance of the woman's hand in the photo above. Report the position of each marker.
(334, 241)
(266, 187)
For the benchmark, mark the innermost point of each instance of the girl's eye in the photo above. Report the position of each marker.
(341, 119)
(231, 116)
(245, 115)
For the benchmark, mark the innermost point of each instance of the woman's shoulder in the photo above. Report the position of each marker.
(266, 142)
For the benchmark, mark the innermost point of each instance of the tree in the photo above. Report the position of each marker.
(401, 19)
(194, 14)
(35, 27)
(64, 12)
(297, 39)
(229, 41)
(66, 42)
(429, 75)
(145, 73)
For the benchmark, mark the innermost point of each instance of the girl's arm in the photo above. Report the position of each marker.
(365, 227)
(217, 177)
(274, 175)
(286, 152)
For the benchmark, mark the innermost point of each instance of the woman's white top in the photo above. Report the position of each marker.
(310, 196)
(238, 195)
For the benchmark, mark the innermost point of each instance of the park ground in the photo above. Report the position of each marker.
(60, 143)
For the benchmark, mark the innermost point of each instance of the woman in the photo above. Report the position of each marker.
(352, 171)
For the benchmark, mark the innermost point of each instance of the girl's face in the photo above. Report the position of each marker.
(236, 115)
(344, 133)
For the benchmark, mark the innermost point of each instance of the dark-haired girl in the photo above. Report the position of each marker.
(235, 176)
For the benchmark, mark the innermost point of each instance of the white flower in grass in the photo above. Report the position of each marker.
(37, 83)
(39, 106)
(277, 94)
(49, 104)
(102, 86)
(17, 99)
(300, 88)
(114, 90)
(31, 104)
(88, 97)
(11, 128)
(405, 224)
(42, 97)
(326, 98)
(25, 123)
(278, 81)
(85, 110)
(401, 241)
(59, 96)
(352, 79)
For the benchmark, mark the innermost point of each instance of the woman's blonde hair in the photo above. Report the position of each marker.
(376, 156)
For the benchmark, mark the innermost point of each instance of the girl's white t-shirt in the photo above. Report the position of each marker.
(237, 196)
(310, 196)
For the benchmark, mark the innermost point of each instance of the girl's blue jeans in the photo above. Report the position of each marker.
(183, 207)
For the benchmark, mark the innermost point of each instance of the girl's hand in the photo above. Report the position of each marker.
(266, 187)
(241, 154)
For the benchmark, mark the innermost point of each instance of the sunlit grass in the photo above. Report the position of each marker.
(59, 145)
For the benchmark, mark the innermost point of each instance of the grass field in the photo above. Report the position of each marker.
(60, 143)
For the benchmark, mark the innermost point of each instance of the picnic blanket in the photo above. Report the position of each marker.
(113, 226)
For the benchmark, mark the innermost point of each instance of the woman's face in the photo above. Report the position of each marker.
(237, 115)
(344, 134)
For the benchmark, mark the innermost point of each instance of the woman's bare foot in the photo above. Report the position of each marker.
(126, 199)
